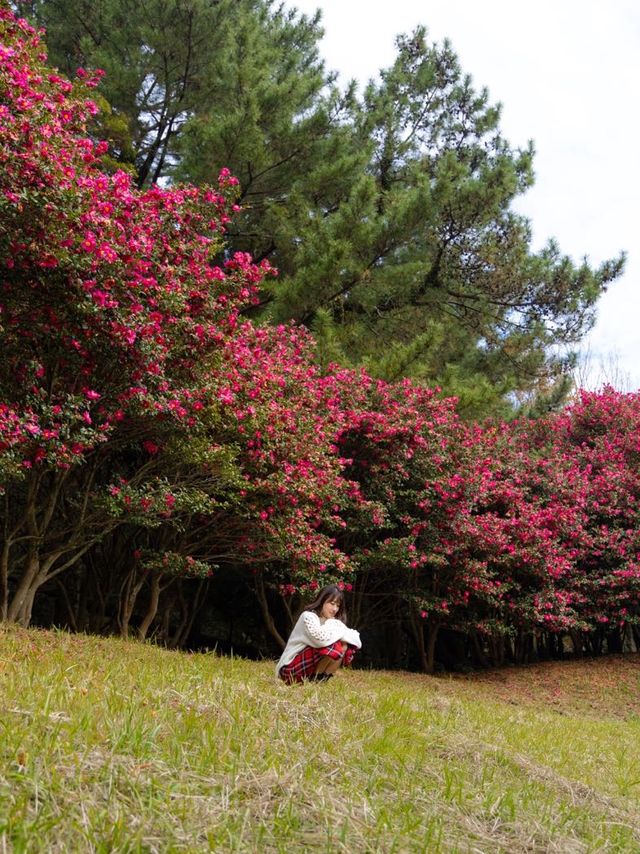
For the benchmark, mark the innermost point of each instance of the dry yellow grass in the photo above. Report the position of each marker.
(108, 745)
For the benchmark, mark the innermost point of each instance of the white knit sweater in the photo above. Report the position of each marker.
(311, 630)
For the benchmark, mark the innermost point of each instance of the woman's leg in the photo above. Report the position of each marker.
(330, 663)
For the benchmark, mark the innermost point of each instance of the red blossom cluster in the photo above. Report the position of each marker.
(107, 293)
(504, 530)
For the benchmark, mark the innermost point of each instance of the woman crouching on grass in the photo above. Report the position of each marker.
(320, 641)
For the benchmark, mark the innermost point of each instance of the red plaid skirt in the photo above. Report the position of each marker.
(304, 664)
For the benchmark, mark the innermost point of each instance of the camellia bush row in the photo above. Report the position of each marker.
(151, 435)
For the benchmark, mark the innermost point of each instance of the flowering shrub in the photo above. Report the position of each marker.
(125, 357)
(111, 305)
(504, 530)
(600, 435)
(284, 415)
(503, 533)
(397, 442)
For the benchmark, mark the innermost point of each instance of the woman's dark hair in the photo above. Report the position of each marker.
(330, 593)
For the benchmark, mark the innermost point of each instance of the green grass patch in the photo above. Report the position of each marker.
(107, 745)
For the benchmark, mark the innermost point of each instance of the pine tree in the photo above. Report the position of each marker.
(158, 56)
(389, 215)
(390, 221)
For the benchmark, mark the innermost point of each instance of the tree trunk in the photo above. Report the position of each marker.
(426, 651)
(152, 610)
(508, 650)
(480, 655)
(432, 636)
(496, 646)
(184, 629)
(23, 613)
(286, 604)
(71, 615)
(628, 641)
(22, 600)
(541, 646)
(128, 600)
(37, 572)
(614, 641)
(4, 580)
(261, 593)
(576, 643)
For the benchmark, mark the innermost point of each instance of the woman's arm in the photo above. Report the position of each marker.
(318, 634)
(323, 634)
(350, 636)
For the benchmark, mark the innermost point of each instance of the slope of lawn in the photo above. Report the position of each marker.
(108, 745)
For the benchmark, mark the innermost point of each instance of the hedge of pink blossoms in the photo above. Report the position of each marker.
(124, 348)
(600, 436)
(500, 532)
(122, 331)
(107, 293)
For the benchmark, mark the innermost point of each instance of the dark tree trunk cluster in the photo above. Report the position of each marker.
(234, 614)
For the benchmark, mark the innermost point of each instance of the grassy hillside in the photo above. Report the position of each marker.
(108, 745)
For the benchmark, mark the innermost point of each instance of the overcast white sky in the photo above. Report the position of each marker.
(567, 73)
